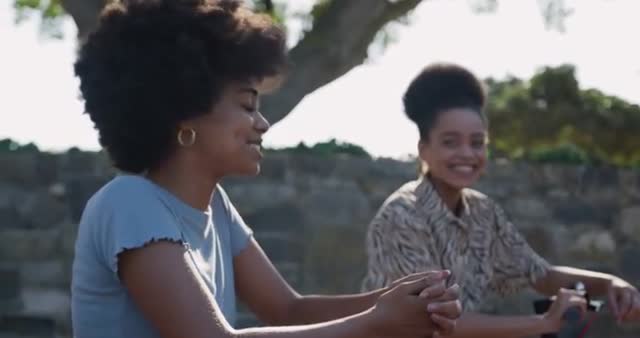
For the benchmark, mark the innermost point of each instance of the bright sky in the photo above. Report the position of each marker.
(39, 101)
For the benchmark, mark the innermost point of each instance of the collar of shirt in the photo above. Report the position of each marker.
(427, 195)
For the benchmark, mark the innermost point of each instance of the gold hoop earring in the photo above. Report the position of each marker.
(192, 137)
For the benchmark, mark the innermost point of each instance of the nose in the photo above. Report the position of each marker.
(261, 124)
(467, 151)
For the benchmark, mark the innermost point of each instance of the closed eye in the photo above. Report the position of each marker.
(250, 109)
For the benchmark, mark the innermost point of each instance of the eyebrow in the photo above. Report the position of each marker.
(455, 133)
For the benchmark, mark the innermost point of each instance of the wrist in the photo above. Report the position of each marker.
(619, 282)
(368, 323)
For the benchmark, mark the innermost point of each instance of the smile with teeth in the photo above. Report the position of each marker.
(257, 144)
(463, 168)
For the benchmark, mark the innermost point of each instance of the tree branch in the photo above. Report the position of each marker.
(338, 41)
(85, 14)
(268, 6)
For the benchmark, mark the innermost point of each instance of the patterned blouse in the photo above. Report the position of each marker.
(414, 231)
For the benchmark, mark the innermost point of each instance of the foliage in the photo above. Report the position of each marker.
(9, 145)
(564, 153)
(277, 10)
(551, 111)
(329, 148)
(51, 14)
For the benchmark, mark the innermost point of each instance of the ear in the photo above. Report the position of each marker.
(188, 124)
(423, 149)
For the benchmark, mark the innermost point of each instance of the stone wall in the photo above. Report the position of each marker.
(310, 214)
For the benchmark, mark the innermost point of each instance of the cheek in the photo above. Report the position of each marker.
(445, 154)
(241, 126)
(438, 158)
(483, 155)
(234, 130)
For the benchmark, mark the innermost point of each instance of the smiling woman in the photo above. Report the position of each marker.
(173, 89)
(439, 222)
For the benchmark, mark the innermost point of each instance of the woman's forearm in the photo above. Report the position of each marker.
(315, 309)
(475, 325)
(354, 326)
(597, 283)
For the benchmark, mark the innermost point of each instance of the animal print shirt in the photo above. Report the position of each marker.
(414, 231)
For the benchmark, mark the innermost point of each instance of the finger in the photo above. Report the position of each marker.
(571, 293)
(634, 317)
(565, 297)
(579, 303)
(629, 315)
(450, 309)
(445, 326)
(625, 303)
(434, 291)
(435, 274)
(439, 275)
(415, 287)
(634, 313)
(452, 293)
(418, 275)
(613, 302)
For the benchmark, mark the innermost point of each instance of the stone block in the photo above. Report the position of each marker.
(630, 222)
(528, 208)
(43, 211)
(9, 288)
(629, 262)
(576, 211)
(595, 244)
(69, 232)
(274, 167)
(11, 198)
(29, 244)
(49, 273)
(19, 168)
(263, 194)
(286, 217)
(49, 303)
(542, 240)
(23, 326)
(304, 164)
(340, 204)
(79, 188)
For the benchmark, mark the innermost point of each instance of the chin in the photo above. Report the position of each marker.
(252, 170)
(459, 183)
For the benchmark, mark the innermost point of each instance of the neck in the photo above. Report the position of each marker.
(451, 197)
(191, 186)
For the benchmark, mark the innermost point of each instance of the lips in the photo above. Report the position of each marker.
(464, 169)
(256, 146)
(257, 142)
